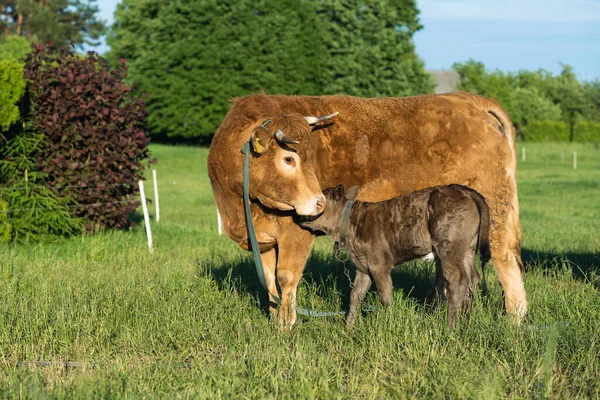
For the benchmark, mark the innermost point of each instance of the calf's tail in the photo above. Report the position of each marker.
(484, 227)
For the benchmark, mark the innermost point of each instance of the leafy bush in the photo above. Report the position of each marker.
(29, 209)
(555, 131)
(14, 48)
(587, 131)
(95, 133)
(542, 131)
(5, 226)
(12, 87)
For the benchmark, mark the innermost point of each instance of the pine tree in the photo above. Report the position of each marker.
(61, 21)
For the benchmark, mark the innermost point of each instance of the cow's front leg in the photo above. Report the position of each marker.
(362, 283)
(293, 252)
(269, 261)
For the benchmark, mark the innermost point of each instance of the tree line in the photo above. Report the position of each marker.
(191, 58)
(541, 105)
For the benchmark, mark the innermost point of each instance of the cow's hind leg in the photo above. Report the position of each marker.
(361, 285)
(506, 259)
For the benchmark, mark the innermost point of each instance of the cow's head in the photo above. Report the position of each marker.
(330, 220)
(282, 175)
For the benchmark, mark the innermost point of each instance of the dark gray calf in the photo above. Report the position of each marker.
(450, 221)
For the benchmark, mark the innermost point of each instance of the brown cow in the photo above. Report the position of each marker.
(387, 146)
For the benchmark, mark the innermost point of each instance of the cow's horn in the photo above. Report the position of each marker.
(284, 139)
(314, 120)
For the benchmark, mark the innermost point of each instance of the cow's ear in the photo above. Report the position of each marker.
(260, 140)
(351, 193)
(339, 191)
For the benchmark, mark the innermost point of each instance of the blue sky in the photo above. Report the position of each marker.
(503, 34)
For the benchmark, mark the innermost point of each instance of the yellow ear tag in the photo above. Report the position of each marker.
(257, 147)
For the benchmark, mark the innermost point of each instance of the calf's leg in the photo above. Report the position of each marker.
(469, 270)
(383, 281)
(437, 293)
(457, 289)
(362, 283)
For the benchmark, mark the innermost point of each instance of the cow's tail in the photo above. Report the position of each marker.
(495, 110)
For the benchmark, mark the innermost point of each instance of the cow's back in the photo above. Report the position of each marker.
(387, 146)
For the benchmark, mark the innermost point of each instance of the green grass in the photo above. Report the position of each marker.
(189, 320)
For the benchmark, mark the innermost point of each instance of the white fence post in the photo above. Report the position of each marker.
(523, 153)
(146, 216)
(156, 195)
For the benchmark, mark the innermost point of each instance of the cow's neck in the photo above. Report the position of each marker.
(344, 224)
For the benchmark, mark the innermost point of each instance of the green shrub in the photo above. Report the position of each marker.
(5, 227)
(12, 87)
(556, 131)
(28, 209)
(587, 131)
(14, 48)
(546, 131)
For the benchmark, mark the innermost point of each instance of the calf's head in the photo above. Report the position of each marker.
(330, 219)
(282, 174)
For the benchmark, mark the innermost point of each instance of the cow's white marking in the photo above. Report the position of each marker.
(510, 172)
(285, 168)
(428, 257)
(310, 207)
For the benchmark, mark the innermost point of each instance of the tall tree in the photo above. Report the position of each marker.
(129, 35)
(371, 48)
(62, 21)
(194, 57)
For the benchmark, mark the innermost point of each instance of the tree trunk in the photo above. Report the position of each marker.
(19, 23)
(571, 129)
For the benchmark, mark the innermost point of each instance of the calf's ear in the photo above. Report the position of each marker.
(351, 192)
(260, 139)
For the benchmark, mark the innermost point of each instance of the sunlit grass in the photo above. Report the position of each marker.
(189, 320)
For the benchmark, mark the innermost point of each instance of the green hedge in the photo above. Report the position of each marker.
(12, 87)
(555, 131)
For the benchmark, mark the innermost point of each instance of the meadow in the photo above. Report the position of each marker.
(189, 321)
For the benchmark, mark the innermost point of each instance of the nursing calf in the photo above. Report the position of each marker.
(450, 221)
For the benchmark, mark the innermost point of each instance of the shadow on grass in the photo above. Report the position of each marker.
(322, 272)
(582, 265)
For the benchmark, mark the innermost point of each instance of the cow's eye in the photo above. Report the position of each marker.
(289, 160)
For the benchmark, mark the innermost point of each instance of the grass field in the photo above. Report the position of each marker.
(189, 320)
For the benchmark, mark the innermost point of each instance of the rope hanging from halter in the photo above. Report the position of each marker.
(254, 242)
